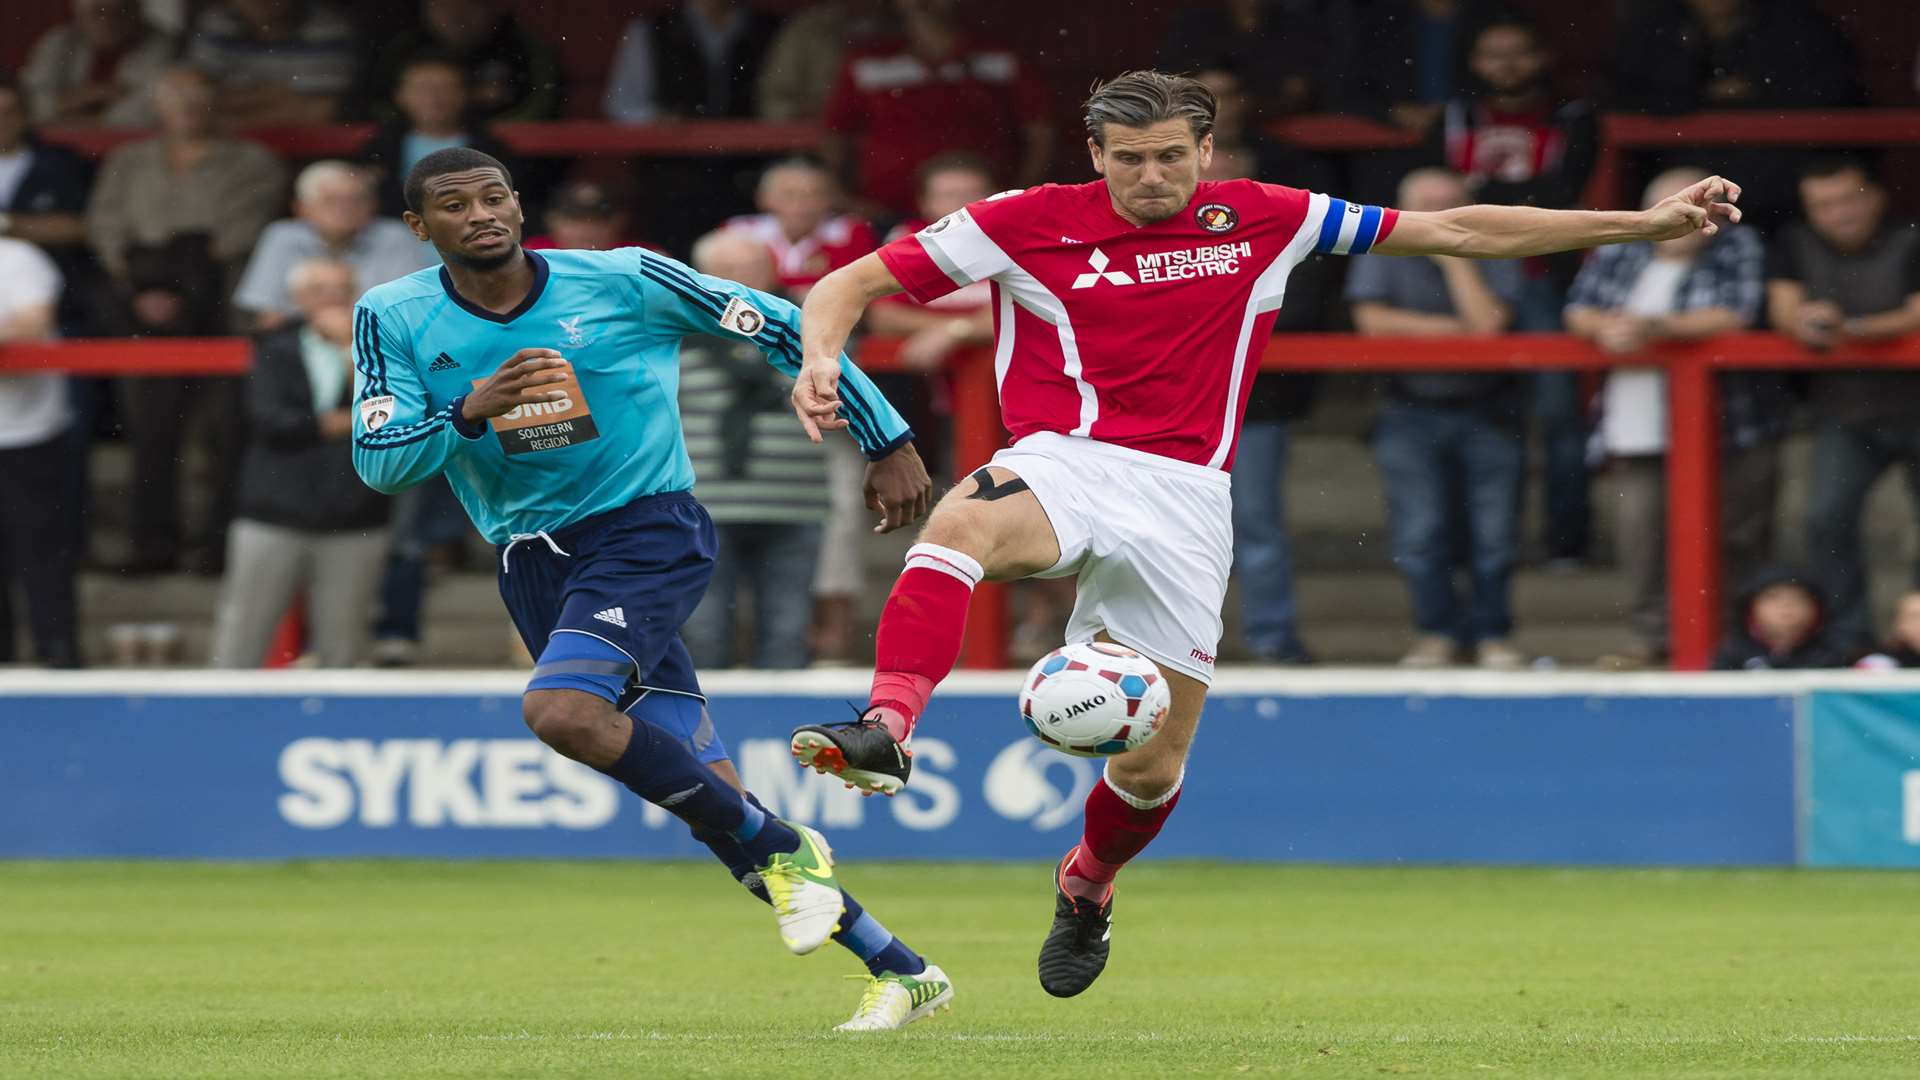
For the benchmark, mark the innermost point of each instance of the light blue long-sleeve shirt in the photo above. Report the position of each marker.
(617, 317)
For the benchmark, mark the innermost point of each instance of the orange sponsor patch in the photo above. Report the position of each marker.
(547, 425)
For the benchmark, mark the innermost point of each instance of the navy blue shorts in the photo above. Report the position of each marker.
(600, 604)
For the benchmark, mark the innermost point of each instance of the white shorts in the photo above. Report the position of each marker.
(1150, 539)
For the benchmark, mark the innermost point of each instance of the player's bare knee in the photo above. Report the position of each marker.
(960, 527)
(1145, 776)
(567, 721)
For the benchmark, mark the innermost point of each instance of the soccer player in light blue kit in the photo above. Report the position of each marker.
(569, 456)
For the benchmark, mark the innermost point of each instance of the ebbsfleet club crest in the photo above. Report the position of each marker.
(1216, 217)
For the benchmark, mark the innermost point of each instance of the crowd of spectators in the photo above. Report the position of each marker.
(192, 229)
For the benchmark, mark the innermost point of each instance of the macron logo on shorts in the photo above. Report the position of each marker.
(614, 615)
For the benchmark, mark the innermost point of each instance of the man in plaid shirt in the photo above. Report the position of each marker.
(1628, 297)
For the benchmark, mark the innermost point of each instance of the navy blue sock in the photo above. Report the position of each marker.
(874, 944)
(659, 769)
(860, 933)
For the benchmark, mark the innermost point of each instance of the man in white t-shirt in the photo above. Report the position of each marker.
(38, 548)
(1625, 299)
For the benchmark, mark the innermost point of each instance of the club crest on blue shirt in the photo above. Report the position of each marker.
(571, 328)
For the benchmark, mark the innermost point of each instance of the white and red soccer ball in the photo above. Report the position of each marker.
(1094, 699)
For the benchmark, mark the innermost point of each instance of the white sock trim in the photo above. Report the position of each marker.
(1136, 801)
(957, 565)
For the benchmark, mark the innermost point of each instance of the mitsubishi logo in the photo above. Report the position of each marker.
(1098, 260)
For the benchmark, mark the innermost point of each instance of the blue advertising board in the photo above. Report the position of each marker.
(1344, 777)
(1863, 779)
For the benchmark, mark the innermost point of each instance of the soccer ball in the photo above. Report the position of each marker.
(1094, 699)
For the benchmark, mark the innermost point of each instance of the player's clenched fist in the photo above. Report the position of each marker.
(526, 377)
(898, 487)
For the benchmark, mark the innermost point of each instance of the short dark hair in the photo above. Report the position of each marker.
(952, 161)
(1141, 99)
(441, 162)
(1831, 165)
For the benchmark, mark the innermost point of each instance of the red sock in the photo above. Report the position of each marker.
(1118, 828)
(920, 630)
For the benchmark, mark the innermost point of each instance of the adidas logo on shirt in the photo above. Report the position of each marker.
(443, 362)
(614, 615)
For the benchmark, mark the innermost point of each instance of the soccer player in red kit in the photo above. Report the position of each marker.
(1130, 315)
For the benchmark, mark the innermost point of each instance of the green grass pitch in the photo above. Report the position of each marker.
(400, 969)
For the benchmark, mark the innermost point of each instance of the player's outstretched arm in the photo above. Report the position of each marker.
(680, 301)
(1511, 232)
(834, 307)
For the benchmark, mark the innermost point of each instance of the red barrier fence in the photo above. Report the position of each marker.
(1693, 521)
(1619, 133)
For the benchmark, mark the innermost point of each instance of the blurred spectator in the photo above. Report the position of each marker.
(799, 227)
(588, 215)
(805, 54)
(699, 60)
(512, 74)
(170, 219)
(98, 69)
(807, 240)
(962, 317)
(1278, 44)
(1517, 144)
(1449, 444)
(756, 473)
(1399, 60)
(931, 91)
(305, 523)
(1684, 55)
(1902, 647)
(278, 61)
(39, 543)
(333, 219)
(1509, 135)
(43, 200)
(1844, 274)
(1263, 557)
(1780, 627)
(1626, 298)
(432, 104)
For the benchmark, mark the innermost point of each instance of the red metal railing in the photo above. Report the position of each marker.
(1693, 522)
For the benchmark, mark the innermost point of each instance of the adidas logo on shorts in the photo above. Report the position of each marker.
(443, 362)
(614, 615)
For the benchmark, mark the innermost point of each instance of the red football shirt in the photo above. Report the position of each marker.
(800, 263)
(962, 301)
(905, 110)
(1142, 336)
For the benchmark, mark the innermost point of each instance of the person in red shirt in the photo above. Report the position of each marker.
(1130, 315)
(933, 90)
(798, 225)
(1517, 143)
(799, 228)
(933, 330)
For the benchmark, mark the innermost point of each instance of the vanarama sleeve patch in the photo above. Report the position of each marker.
(742, 318)
(375, 412)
